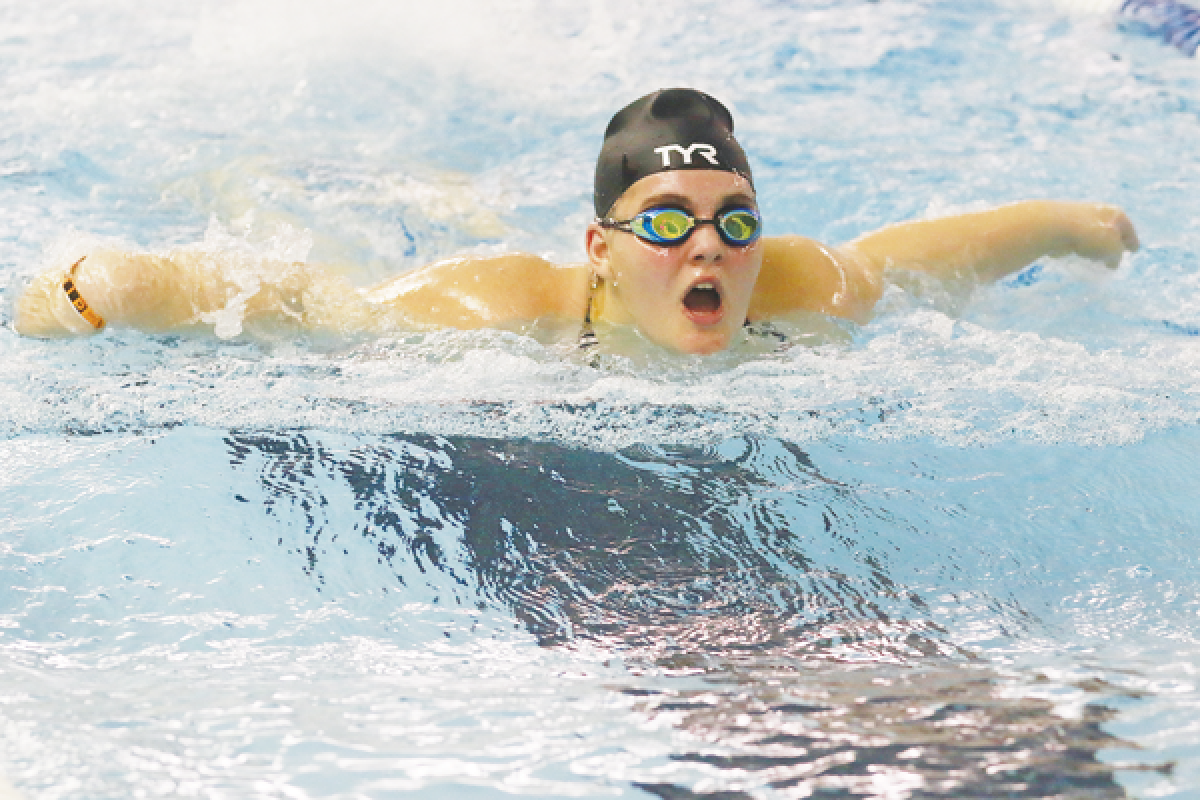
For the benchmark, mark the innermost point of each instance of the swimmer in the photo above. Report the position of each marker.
(675, 253)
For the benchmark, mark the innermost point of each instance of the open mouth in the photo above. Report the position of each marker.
(703, 298)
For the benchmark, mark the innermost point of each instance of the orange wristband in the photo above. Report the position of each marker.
(85, 311)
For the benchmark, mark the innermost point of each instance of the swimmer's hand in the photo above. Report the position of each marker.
(1100, 232)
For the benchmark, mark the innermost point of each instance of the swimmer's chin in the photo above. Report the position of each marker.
(705, 343)
(635, 342)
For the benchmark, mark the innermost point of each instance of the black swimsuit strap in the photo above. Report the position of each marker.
(587, 336)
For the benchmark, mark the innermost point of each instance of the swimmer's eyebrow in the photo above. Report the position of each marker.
(681, 201)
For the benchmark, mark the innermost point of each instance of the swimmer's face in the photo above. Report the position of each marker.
(691, 297)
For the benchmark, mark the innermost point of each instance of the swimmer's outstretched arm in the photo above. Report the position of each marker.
(108, 286)
(189, 289)
(801, 274)
(176, 291)
(488, 291)
(987, 245)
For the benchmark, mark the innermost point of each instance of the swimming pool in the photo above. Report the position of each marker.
(950, 552)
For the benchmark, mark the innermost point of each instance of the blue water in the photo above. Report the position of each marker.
(947, 553)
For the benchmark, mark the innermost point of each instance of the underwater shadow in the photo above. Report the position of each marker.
(755, 596)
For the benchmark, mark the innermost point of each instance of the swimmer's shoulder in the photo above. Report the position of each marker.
(484, 291)
(803, 274)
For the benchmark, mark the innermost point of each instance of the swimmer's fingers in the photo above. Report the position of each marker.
(1129, 235)
(1106, 235)
(1119, 224)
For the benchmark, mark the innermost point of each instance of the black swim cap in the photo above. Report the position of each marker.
(668, 129)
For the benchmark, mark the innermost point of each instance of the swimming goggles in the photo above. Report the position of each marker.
(739, 227)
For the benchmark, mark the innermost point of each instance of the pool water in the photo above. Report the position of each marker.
(948, 553)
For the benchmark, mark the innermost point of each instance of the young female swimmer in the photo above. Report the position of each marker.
(675, 251)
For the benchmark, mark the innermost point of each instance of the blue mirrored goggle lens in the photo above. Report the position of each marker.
(738, 226)
(663, 225)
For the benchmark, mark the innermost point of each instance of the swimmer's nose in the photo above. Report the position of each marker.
(707, 245)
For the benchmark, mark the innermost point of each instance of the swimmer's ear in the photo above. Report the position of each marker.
(599, 254)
